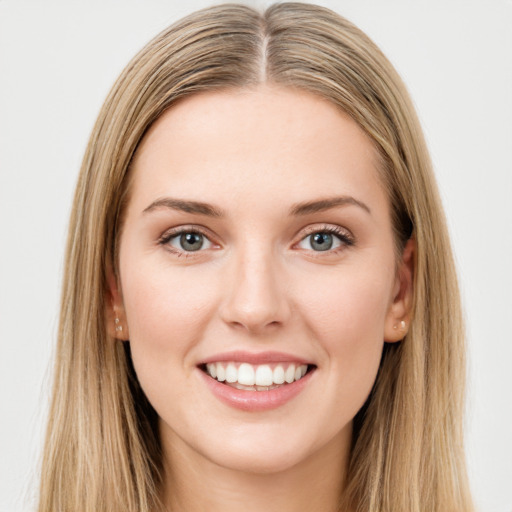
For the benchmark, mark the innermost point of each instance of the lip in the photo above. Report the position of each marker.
(255, 401)
(239, 356)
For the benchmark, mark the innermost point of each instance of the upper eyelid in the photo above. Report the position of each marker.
(172, 232)
(317, 228)
(330, 228)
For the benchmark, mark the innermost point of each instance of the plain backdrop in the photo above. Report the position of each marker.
(58, 60)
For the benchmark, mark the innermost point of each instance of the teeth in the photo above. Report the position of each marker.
(278, 375)
(221, 373)
(256, 377)
(246, 375)
(264, 375)
(212, 370)
(231, 373)
(289, 374)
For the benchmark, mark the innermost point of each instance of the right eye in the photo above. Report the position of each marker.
(185, 241)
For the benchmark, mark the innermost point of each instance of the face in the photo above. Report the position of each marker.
(257, 276)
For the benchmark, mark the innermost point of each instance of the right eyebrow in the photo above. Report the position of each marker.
(185, 206)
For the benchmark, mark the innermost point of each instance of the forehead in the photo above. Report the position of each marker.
(264, 143)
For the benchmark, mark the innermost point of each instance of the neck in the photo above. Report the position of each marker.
(192, 483)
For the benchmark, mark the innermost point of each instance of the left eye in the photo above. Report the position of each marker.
(189, 241)
(320, 241)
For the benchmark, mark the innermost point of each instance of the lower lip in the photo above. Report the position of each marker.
(255, 401)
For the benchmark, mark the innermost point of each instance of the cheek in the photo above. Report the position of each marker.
(347, 317)
(348, 306)
(166, 311)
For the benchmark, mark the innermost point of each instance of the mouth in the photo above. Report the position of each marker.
(256, 377)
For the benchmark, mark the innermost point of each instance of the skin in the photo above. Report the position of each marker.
(258, 284)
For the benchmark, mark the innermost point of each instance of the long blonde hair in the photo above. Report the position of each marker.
(102, 450)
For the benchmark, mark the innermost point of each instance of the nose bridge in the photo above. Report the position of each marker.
(255, 296)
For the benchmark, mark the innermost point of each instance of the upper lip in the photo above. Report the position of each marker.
(255, 358)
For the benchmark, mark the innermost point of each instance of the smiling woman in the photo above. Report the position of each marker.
(259, 304)
(301, 285)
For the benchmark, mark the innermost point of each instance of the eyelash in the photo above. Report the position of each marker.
(169, 235)
(346, 239)
(343, 235)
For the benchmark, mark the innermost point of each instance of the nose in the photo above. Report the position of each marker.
(255, 297)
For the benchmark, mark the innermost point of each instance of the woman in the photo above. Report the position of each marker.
(259, 302)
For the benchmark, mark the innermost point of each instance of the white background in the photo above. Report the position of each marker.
(58, 60)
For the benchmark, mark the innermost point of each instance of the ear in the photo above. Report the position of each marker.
(398, 316)
(115, 315)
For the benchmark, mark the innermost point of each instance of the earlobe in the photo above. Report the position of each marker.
(117, 326)
(398, 317)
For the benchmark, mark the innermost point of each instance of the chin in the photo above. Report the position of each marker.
(271, 451)
(257, 461)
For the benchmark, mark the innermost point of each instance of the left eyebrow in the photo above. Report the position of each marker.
(322, 205)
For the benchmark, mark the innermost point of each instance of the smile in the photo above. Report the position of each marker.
(256, 382)
(250, 377)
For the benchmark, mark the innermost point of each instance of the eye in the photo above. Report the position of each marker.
(187, 241)
(326, 239)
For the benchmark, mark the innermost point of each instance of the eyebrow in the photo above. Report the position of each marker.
(298, 209)
(326, 204)
(186, 206)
